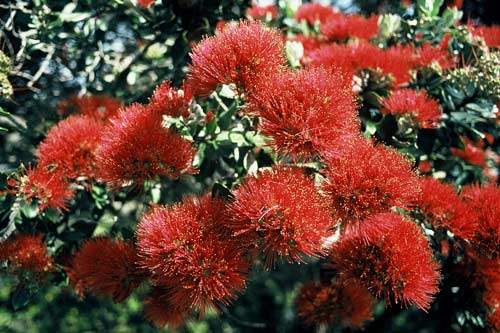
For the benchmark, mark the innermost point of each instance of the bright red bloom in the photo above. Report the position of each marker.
(366, 180)
(145, 3)
(396, 61)
(48, 187)
(351, 57)
(313, 11)
(391, 257)
(70, 147)
(491, 35)
(170, 101)
(345, 304)
(160, 310)
(189, 250)
(484, 202)
(421, 109)
(281, 211)
(26, 252)
(442, 206)
(238, 54)
(261, 12)
(310, 43)
(136, 147)
(106, 267)
(97, 106)
(456, 3)
(305, 112)
(425, 166)
(473, 152)
(339, 27)
(427, 54)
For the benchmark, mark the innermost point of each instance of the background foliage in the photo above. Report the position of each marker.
(61, 48)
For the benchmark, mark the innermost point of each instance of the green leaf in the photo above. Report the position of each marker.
(29, 210)
(388, 25)
(74, 17)
(294, 52)
(21, 297)
(250, 163)
(429, 8)
(3, 112)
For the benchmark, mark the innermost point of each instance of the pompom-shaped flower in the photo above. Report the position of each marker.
(189, 251)
(49, 188)
(350, 57)
(313, 11)
(106, 267)
(26, 252)
(391, 257)
(427, 54)
(339, 303)
(306, 112)
(396, 61)
(442, 206)
(484, 202)
(170, 101)
(257, 12)
(136, 147)
(238, 54)
(473, 152)
(422, 110)
(160, 310)
(339, 27)
(70, 147)
(97, 106)
(365, 180)
(282, 212)
(490, 34)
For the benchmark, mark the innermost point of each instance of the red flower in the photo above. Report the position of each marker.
(396, 61)
(261, 12)
(305, 112)
(425, 166)
(491, 35)
(365, 180)
(26, 252)
(421, 109)
(283, 213)
(427, 54)
(48, 187)
(160, 310)
(106, 267)
(136, 147)
(145, 3)
(340, 26)
(170, 101)
(442, 206)
(100, 107)
(346, 304)
(391, 257)
(190, 252)
(70, 147)
(310, 43)
(350, 57)
(473, 152)
(484, 202)
(238, 54)
(312, 12)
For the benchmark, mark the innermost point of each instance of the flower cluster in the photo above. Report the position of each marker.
(189, 251)
(106, 267)
(281, 212)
